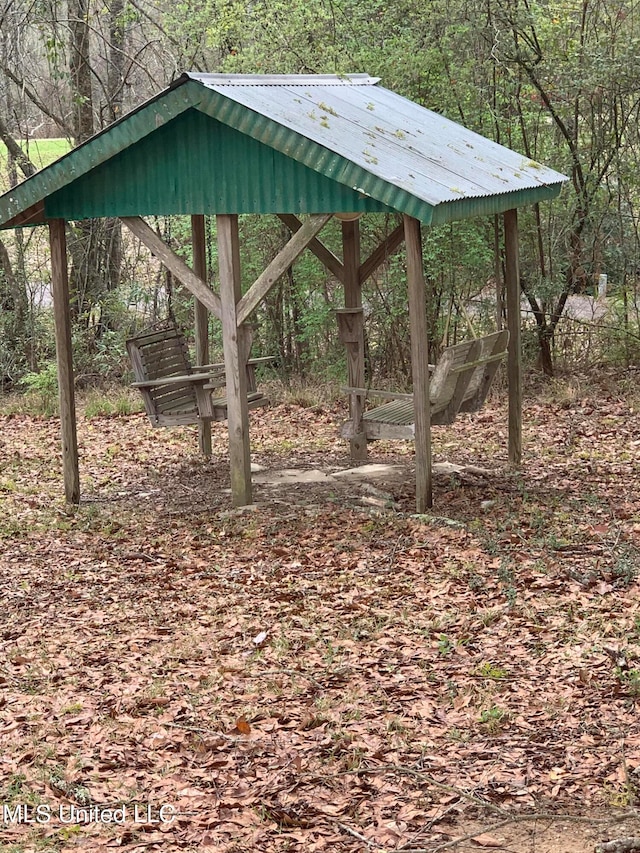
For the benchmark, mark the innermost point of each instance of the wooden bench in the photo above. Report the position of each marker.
(459, 382)
(174, 392)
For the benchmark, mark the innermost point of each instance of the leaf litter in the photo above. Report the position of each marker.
(315, 672)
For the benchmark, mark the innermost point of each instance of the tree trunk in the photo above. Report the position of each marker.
(80, 68)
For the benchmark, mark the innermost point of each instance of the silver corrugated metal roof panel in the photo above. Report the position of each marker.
(395, 141)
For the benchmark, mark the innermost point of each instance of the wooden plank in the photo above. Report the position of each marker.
(354, 347)
(279, 265)
(497, 270)
(350, 324)
(498, 356)
(419, 363)
(374, 392)
(389, 245)
(32, 215)
(514, 359)
(64, 358)
(399, 412)
(497, 345)
(201, 317)
(219, 366)
(330, 261)
(233, 343)
(177, 379)
(464, 374)
(174, 264)
(374, 430)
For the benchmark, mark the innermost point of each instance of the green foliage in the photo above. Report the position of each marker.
(557, 82)
(101, 404)
(629, 679)
(42, 389)
(445, 645)
(494, 718)
(490, 670)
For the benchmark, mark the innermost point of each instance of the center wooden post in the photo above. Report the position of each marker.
(419, 362)
(235, 349)
(201, 318)
(355, 345)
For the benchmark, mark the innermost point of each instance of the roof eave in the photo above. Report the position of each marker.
(466, 208)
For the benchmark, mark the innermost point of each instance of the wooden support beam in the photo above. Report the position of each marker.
(514, 359)
(280, 264)
(355, 346)
(326, 256)
(389, 245)
(62, 321)
(419, 363)
(235, 353)
(201, 317)
(174, 263)
(33, 215)
(497, 272)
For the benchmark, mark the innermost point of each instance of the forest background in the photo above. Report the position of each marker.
(557, 81)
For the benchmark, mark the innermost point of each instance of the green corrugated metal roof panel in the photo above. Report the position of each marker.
(97, 150)
(195, 164)
(368, 142)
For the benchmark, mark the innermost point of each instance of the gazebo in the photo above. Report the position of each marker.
(290, 145)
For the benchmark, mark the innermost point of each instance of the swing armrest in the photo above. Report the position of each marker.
(373, 392)
(252, 362)
(209, 368)
(192, 378)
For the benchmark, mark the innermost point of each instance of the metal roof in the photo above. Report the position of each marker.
(371, 141)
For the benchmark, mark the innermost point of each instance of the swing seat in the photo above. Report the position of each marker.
(459, 382)
(176, 393)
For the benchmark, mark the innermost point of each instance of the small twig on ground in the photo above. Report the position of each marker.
(355, 834)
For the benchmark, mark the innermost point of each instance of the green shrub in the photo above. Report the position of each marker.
(42, 390)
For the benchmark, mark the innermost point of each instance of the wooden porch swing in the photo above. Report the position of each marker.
(459, 382)
(175, 392)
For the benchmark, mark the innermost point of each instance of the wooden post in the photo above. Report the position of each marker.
(64, 357)
(514, 361)
(198, 242)
(497, 271)
(419, 363)
(234, 364)
(355, 348)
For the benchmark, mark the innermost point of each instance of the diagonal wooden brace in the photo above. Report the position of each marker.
(326, 256)
(280, 264)
(174, 264)
(389, 245)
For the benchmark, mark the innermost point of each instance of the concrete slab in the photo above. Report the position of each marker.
(365, 472)
(289, 476)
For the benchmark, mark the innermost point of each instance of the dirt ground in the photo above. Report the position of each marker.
(324, 670)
